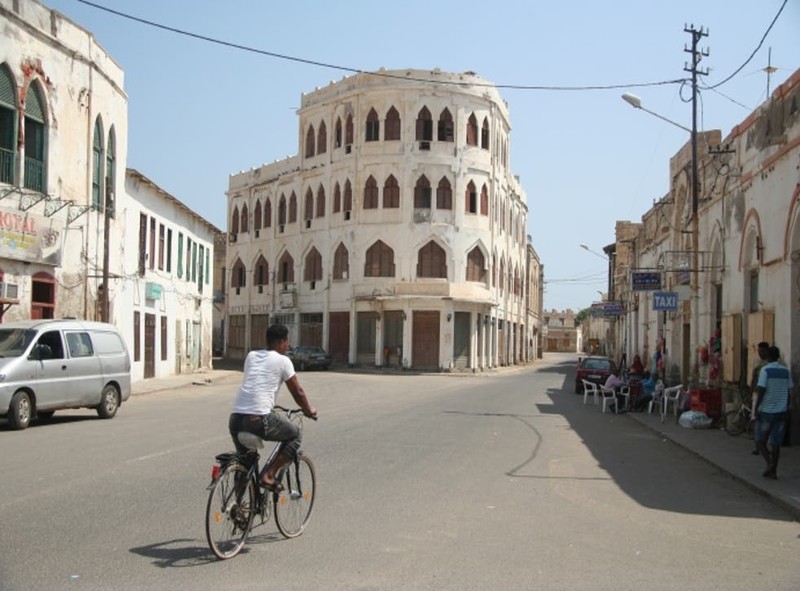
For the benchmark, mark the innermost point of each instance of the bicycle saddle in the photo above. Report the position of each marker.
(249, 440)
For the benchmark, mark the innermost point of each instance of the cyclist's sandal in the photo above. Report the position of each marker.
(272, 486)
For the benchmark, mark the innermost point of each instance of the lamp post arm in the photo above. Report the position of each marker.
(654, 114)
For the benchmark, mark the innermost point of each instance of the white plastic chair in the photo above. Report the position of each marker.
(657, 401)
(590, 388)
(611, 395)
(672, 395)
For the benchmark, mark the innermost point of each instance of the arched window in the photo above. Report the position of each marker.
(422, 193)
(292, 208)
(43, 295)
(493, 270)
(484, 200)
(371, 193)
(341, 263)
(424, 125)
(245, 218)
(472, 131)
(392, 125)
(267, 213)
(322, 138)
(261, 272)
(282, 210)
(111, 171)
(373, 128)
(485, 134)
(337, 198)
(238, 274)
(476, 270)
(35, 137)
(310, 141)
(286, 268)
(337, 133)
(98, 159)
(312, 270)
(257, 216)
(446, 130)
(321, 202)
(471, 199)
(348, 196)
(235, 220)
(348, 131)
(444, 194)
(432, 261)
(8, 127)
(380, 261)
(391, 193)
(501, 275)
(308, 209)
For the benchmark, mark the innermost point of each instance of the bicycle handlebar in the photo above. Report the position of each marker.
(294, 411)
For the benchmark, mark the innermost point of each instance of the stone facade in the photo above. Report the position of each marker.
(562, 334)
(396, 236)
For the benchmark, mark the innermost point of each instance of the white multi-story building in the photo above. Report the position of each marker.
(72, 220)
(396, 237)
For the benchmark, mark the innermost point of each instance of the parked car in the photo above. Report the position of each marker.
(306, 357)
(48, 365)
(593, 369)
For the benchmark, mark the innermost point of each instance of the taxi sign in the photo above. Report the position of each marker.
(665, 301)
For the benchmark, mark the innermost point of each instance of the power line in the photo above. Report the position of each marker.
(311, 62)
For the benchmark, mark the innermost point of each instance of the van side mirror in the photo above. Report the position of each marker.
(42, 352)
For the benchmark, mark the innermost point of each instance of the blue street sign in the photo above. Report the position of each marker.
(645, 281)
(665, 301)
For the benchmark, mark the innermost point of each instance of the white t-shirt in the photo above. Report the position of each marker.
(264, 372)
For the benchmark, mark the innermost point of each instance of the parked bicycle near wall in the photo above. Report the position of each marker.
(741, 420)
(236, 498)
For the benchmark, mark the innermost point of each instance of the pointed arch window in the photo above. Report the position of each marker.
(379, 261)
(238, 274)
(391, 193)
(245, 218)
(267, 213)
(371, 193)
(348, 131)
(312, 270)
(501, 275)
(348, 196)
(337, 198)
(97, 166)
(261, 272)
(485, 134)
(471, 199)
(392, 125)
(8, 127)
(373, 127)
(322, 138)
(308, 209)
(282, 210)
(484, 200)
(286, 268)
(292, 208)
(432, 261)
(424, 125)
(35, 137)
(444, 194)
(446, 130)
(337, 133)
(422, 193)
(476, 263)
(341, 262)
(310, 141)
(321, 201)
(235, 220)
(257, 216)
(111, 172)
(472, 131)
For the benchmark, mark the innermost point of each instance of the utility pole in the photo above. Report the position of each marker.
(694, 318)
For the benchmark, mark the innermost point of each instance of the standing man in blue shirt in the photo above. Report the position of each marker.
(773, 391)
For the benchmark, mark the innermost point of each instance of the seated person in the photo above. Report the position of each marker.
(648, 388)
(613, 383)
(636, 368)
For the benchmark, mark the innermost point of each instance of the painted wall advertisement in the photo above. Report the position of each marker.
(30, 238)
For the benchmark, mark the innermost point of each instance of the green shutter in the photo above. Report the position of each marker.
(207, 251)
(7, 95)
(180, 254)
(33, 104)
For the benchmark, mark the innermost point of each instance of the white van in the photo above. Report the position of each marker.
(47, 365)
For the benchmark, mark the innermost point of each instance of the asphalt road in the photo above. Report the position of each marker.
(498, 481)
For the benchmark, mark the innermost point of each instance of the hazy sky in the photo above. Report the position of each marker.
(199, 112)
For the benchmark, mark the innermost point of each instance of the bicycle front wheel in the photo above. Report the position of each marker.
(230, 511)
(734, 423)
(293, 505)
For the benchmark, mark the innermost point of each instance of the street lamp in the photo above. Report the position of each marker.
(594, 252)
(694, 319)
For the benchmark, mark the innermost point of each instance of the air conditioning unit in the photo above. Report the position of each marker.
(258, 233)
(280, 228)
(424, 145)
(260, 289)
(238, 290)
(313, 285)
(308, 224)
(9, 290)
(232, 237)
(347, 214)
(348, 148)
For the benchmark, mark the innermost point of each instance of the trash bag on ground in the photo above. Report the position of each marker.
(694, 419)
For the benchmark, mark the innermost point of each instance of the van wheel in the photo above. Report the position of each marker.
(20, 411)
(109, 402)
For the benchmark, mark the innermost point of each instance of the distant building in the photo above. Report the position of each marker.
(562, 334)
(396, 236)
(74, 219)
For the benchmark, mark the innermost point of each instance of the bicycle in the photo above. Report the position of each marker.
(236, 497)
(736, 422)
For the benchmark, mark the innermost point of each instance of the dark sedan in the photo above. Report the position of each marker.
(306, 357)
(594, 369)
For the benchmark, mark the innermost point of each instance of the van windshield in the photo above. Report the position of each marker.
(14, 341)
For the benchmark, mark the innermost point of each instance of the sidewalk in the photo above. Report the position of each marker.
(733, 456)
(198, 378)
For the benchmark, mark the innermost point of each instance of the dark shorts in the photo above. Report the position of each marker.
(271, 427)
(771, 425)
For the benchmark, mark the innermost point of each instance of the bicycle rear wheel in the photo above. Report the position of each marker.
(734, 423)
(294, 504)
(230, 511)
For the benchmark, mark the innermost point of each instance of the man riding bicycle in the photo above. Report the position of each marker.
(264, 372)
